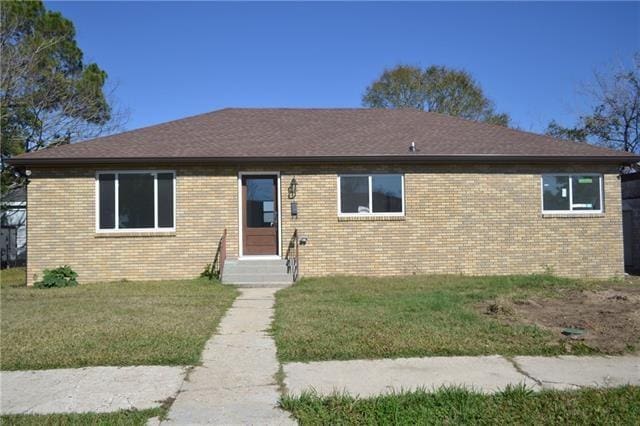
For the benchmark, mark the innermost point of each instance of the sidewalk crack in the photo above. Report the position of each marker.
(522, 371)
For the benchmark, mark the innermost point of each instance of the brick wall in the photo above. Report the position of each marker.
(61, 227)
(459, 219)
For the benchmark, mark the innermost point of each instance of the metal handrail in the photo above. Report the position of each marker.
(293, 256)
(221, 256)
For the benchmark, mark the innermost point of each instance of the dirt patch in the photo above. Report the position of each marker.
(610, 318)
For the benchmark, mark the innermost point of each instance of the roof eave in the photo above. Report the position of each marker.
(414, 159)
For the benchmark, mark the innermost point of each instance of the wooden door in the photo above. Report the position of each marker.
(260, 215)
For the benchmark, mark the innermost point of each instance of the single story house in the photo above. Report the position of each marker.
(364, 191)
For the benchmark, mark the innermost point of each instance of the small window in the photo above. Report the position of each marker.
(567, 193)
(131, 201)
(378, 194)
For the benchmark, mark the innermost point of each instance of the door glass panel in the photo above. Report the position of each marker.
(260, 202)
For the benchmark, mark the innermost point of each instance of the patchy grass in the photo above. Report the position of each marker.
(119, 323)
(125, 417)
(457, 406)
(359, 317)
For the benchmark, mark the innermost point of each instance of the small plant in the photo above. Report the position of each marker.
(517, 391)
(211, 272)
(207, 272)
(62, 276)
(547, 270)
(501, 307)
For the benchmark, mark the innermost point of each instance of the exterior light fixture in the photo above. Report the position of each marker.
(292, 189)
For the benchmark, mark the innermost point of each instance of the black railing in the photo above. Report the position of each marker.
(292, 257)
(221, 256)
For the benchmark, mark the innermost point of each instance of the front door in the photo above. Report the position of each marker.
(260, 215)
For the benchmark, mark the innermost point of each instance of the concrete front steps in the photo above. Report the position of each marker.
(256, 273)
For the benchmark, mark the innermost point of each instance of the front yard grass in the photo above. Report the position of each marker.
(617, 406)
(360, 317)
(124, 417)
(118, 323)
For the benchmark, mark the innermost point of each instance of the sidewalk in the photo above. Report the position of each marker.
(90, 389)
(236, 383)
(486, 374)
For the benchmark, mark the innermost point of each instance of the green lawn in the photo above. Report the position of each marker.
(618, 406)
(358, 317)
(129, 417)
(120, 323)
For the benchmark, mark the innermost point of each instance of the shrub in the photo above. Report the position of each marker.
(62, 276)
(208, 272)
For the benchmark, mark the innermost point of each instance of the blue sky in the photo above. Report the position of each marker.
(171, 59)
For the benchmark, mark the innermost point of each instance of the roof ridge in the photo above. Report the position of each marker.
(239, 132)
(519, 131)
(436, 113)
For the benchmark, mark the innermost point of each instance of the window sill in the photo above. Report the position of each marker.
(367, 218)
(572, 215)
(135, 234)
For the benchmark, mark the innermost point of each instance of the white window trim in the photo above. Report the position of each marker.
(371, 213)
(570, 211)
(117, 202)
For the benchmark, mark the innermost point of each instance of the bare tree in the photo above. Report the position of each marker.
(614, 119)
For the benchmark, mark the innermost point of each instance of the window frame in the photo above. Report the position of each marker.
(117, 229)
(600, 176)
(370, 181)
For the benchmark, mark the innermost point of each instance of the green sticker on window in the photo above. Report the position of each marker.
(585, 180)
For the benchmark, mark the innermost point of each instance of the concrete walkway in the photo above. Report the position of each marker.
(486, 374)
(236, 383)
(97, 389)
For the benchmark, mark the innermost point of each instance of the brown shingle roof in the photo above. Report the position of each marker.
(236, 135)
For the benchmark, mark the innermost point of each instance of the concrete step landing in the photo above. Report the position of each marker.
(256, 273)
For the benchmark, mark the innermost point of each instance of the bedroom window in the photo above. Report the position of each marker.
(136, 201)
(374, 194)
(572, 193)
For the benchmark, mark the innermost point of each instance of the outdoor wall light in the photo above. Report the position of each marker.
(292, 189)
(19, 173)
(304, 241)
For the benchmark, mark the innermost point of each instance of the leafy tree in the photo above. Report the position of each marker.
(437, 89)
(614, 120)
(575, 134)
(48, 95)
